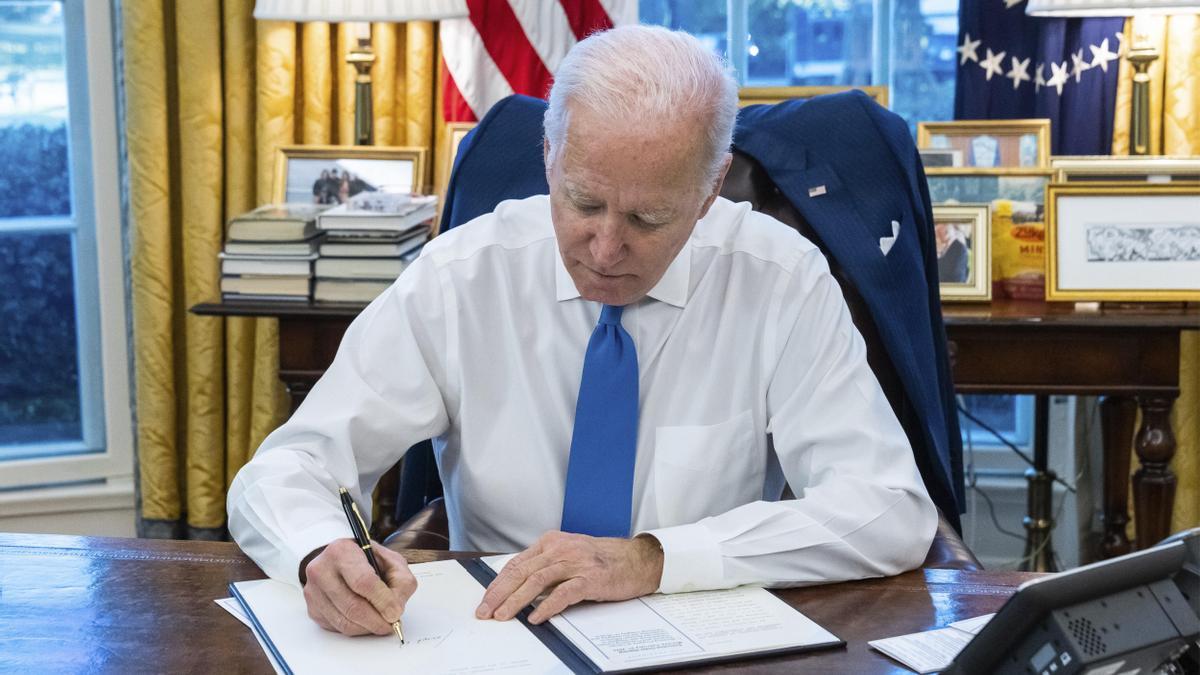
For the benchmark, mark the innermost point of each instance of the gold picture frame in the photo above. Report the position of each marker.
(988, 145)
(447, 151)
(963, 240)
(1128, 246)
(312, 160)
(768, 95)
(1106, 168)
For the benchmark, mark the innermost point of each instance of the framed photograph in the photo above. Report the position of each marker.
(963, 238)
(991, 144)
(1124, 242)
(1018, 230)
(940, 158)
(331, 174)
(767, 95)
(1149, 169)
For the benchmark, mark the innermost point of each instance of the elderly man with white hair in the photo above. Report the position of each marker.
(619, 378)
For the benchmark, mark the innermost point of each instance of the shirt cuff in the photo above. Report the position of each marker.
(307, 541)
(692, 559)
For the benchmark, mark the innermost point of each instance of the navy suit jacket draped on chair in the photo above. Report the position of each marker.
(850, 169)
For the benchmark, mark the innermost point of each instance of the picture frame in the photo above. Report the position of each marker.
(1123, 242)
(769, 95)
(303, 173)
(447, 151)
(965, 185)
(1017, 199)
(1106, 168)
(963, 241)
(990, 144)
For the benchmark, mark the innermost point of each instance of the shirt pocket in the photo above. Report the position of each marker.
(706, 470)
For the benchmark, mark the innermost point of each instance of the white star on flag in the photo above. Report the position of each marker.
(1019, 72)
(968, 50)
(1058, 76)
(1039, 79)
(991, 64)
(1079, 65)
(1101, 56)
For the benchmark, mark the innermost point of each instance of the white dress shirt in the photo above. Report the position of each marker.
(750, 372)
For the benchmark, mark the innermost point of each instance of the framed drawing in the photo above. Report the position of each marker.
(963, 239)
(766, 95)
(1150, 169)
(331, 174)
(990, 144)
(1126, 242)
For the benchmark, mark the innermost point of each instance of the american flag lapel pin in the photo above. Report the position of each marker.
(816, 191)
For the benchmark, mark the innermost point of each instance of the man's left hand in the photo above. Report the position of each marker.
(577, 567)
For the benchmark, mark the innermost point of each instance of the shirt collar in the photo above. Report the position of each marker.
(672, 288)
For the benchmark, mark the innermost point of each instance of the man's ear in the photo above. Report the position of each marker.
(717, 184)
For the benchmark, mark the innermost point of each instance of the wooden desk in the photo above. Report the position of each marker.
(1132, 356)
(76, 604)
(1129, 355)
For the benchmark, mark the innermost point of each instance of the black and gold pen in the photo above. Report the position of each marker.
(359, 527)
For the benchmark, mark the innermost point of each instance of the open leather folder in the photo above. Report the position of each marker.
(443, 635)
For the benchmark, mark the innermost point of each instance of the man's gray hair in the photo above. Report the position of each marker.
(639, 75)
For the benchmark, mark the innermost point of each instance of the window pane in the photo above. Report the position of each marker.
(924, 36)
(1010, 415)
(33, 110)
(39, 371)
(808, 42)
(703, 18)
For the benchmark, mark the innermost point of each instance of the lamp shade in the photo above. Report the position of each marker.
(1050, 8)
(359, 10)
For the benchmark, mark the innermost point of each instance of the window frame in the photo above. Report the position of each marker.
(100, 294)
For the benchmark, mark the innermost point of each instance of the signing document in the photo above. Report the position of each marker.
(443, 635)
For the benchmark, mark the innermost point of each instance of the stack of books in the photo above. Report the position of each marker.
(368, 241)
(269, 253)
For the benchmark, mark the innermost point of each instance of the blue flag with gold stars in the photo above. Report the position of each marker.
(1013, 66)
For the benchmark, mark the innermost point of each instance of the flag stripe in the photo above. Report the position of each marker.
(510, 49)
(475, 74)
(454, 107)
(546, 26)
(585, 16)
(514, 46)
(621, 12)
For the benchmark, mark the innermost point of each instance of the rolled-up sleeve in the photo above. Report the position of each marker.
(385, 390)
(861, 509)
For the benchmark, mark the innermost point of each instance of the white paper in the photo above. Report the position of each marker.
(682, 627)
(231, 605)
(933, 650)
(973, 626)
(441, 632)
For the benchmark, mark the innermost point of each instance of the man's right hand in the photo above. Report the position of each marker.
(344, 595)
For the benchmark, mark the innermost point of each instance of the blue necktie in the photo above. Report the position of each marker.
(599, 493)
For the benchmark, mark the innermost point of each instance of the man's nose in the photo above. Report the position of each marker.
(608, 245)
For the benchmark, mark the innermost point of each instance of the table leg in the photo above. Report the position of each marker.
(1154, 482)
(1117, 415)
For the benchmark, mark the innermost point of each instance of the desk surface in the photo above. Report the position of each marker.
(84, 604)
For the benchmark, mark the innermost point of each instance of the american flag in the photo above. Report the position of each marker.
(514, 46)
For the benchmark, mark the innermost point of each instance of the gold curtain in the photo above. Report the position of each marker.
(1174, 130)
(209, 95)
